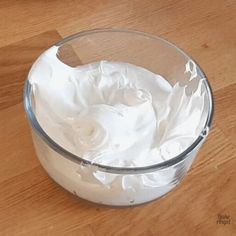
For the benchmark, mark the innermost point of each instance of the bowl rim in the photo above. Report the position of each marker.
(112, 169)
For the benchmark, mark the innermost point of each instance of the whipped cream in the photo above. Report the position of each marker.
(115, 114)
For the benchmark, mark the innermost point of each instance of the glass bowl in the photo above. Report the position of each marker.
(77, 174)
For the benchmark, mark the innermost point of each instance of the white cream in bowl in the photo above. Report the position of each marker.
(115, 114)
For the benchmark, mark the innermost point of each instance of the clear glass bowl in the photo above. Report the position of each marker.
(75, 173)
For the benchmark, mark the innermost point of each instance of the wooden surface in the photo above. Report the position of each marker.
(32, 204)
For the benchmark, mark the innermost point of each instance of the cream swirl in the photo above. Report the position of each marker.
(114, 113)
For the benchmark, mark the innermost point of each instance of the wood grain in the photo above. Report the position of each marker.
(15, 62)
(32, 204)
(226, 111)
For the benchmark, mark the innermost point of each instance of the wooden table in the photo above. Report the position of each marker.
(32, 204)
